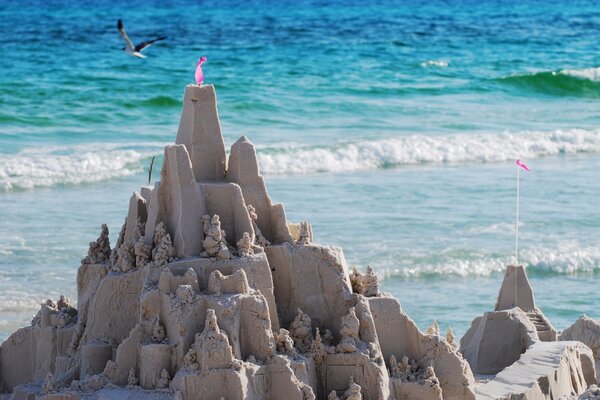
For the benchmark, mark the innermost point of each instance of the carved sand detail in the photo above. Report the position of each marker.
(99, 251)
(214, 243)
(260, 239)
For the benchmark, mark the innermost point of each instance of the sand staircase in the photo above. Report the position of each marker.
(544, 329)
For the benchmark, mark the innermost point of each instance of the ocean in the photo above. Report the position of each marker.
(392, 127)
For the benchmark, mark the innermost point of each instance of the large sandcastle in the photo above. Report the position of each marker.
(210, 293)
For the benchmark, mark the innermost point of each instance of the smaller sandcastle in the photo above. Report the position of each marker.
(517, 347)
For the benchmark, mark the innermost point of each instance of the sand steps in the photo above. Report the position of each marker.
(543, 327)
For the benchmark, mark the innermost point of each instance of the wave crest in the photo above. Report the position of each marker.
(68, 165)
(417, 149)
(590, 74)
(565, 258)
(64, 165)
(583, 82)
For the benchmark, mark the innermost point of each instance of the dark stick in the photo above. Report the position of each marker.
(150, 170)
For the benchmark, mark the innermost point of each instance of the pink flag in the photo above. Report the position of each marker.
(522, 165)
(199, 74)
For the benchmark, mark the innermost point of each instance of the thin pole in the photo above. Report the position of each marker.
(517, 221)
(150, 170)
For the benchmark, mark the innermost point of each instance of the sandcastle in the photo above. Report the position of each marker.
(210, 293)
(518, 349)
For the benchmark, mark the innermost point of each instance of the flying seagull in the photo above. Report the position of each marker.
(135, 51)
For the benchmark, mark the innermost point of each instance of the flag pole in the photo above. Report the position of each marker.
(517, 221)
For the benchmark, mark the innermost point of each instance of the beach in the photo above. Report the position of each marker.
(304, 201)
(392, 130)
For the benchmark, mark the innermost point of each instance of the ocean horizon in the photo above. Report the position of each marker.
(393, 128)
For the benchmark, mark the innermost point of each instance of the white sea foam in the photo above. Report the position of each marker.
(498, 228)
(417, 149)
(18, 307)
(562, 258)
(47, 166)
(591, 74)
(435, 63)
(17, 302)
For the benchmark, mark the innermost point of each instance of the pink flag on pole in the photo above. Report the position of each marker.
(522, 165)
(199, 74)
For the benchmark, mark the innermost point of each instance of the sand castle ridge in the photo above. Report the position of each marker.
(210, 293)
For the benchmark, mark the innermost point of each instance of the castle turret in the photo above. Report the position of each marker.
(200, 132)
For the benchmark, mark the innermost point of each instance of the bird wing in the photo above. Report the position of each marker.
(123, 34)
(148, 43)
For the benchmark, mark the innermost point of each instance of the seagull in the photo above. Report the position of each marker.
(135, 51)
(199, 74)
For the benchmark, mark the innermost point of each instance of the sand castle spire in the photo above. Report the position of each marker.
(243, 163)
(214, 243)
(349, 332)
(142, 252)
(433, 329)
(244, 171)
(450, 338)
(200, 132)
(515, 290)
(181, 199)
(284, 343)
(244, 245)
(125, 257)
(259, 238)
(211, 348)
(163, 249)
(304, 233)
(99, 250)
(301, 331)
(370, 283)
(136, 215)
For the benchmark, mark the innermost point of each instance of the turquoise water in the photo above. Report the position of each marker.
(391, 127)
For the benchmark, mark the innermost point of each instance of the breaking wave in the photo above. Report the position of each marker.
(64, 165)
(583, 82)
(590, 74)
(418, 149)
(78, 164)
(565, 258)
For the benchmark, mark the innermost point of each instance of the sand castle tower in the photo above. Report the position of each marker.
(517, 292)
(517, 343)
